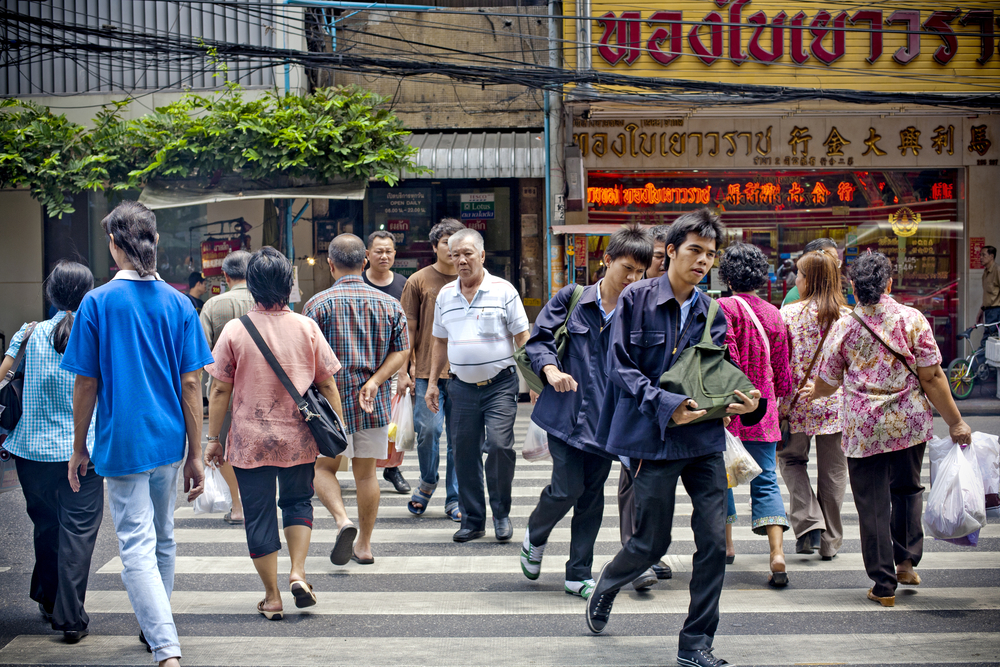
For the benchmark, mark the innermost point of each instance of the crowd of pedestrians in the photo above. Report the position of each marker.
(113, 400)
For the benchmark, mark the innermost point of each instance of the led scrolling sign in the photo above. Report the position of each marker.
(822, 37)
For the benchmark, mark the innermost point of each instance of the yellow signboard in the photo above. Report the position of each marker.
(870, 46)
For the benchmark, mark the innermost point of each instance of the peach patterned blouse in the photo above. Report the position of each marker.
(885, 410)
(267, 429)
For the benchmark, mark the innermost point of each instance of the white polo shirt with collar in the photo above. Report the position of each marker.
(481, 333)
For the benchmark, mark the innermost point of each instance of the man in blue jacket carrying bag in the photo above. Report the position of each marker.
(569, 407)
(652, 430)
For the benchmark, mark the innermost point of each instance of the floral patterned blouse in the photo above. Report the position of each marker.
(749, 354)
(821, 417)
(885, 409)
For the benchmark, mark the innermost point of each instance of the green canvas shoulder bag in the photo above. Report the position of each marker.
(703, 374)
(561, 336)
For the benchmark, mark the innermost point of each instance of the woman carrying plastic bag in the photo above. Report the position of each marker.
(216, 497)
(956, 505)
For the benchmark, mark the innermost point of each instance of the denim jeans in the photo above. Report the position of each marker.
(429, 427)
(142, 508)
(766, 506)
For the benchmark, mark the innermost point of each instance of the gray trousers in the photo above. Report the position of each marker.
(809, 510)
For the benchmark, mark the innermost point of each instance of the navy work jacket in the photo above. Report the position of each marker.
(572, 416)
(644, 334)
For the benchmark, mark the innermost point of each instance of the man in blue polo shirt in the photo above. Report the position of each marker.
(137, 349)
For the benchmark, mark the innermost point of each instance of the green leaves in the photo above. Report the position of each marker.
(331, 134)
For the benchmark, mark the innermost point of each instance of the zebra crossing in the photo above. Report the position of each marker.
(429, 602)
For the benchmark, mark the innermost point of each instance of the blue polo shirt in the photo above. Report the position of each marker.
(137, 336)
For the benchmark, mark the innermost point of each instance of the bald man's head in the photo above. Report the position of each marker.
(347, 253)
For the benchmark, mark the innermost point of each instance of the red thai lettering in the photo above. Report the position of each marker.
(736, 53)
(627, 32)
(873, 17)
(757, 52)
(938, 23)
(714, 22)
(672, 30)
(911, 18)
(795, 43)
(984, 18)
(819, 29)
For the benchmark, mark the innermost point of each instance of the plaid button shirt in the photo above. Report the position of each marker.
(363, 325)
(45, 430)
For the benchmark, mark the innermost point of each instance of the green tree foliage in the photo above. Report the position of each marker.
(330, 134)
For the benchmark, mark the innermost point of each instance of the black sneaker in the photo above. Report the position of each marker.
(599, 606)
(393, 475)
(701, 658)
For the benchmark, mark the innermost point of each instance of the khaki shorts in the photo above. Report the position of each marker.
(371, 443)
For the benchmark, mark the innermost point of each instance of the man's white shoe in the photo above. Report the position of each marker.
(582, 589)
(531, 557)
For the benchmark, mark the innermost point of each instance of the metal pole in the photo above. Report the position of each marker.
(554, 148)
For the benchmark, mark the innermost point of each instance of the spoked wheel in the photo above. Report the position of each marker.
(960, 378)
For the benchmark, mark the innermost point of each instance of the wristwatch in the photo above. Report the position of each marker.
(213, 439)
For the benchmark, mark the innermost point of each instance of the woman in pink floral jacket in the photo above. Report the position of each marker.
(887, 419)
(758, 345)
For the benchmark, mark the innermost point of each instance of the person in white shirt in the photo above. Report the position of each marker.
(479, 321)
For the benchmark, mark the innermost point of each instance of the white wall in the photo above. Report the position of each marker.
(21, 252)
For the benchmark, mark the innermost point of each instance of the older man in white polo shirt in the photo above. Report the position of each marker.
(479, 321)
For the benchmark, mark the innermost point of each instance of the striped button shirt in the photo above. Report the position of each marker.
(45, 431)
(362, 325)
(222, 308)
(481, 333)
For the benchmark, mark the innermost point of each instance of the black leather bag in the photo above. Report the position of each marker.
(12, 387)
(323, 422)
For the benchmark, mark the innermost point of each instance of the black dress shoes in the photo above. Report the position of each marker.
(393, 475)
(47, 615)
(662, 571)
(467, 534)
(73, 636)
(504, 529)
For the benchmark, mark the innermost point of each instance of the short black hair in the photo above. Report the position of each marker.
(66, 286)
(870, 274)
(631, 241)
(133, 227)
(744, 267)
(659, 233)
(381, 234)
(269, 277)
(446, 227)
(347, 251)
(990, 249)
(194, 278)
(235, 264)
(701, 222)
(819, 244)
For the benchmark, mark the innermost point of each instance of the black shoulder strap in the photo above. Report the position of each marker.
(19, 356)
(893, 352)
(275, 366)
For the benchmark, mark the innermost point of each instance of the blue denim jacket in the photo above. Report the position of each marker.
(572, 416)
(646, 340)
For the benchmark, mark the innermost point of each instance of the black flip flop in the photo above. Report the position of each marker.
(343, 548)
(303, 593)
(778, 579)
(362, 561)
(228, 518)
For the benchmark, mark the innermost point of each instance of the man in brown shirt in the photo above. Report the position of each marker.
(990, 311)
(419, 297)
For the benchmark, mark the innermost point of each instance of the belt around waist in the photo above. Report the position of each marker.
(496, 378)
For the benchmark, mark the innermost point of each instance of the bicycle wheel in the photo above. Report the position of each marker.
(960, 378)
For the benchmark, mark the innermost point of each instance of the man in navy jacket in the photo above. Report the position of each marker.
(651, 429)
(569, 406)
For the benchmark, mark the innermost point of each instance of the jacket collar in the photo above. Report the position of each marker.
(665, 293)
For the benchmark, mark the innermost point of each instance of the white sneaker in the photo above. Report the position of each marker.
(531, 557)
(582, 589)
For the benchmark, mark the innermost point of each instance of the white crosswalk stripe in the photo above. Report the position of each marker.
(375, 615)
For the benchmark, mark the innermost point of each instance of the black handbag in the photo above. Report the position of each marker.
(12, 387)
(323, 422)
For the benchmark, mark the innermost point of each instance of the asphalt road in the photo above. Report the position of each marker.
(428, 601)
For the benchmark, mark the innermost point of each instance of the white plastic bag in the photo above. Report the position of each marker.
(536, 444)
(987, 449)
(216, 497)
(402, 417)
(956, 505)
(740, 466)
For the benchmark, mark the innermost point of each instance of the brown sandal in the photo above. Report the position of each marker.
(303, 592)
(269, 615)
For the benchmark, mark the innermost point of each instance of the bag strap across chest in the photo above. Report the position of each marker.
(19, 356)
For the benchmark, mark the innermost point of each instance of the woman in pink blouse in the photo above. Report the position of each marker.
(758, 345)
(268, 441)
(815, 516)
(887, 419)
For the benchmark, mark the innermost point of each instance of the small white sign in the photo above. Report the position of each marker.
(559, 210)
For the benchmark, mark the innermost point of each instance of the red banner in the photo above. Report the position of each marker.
(213, 253)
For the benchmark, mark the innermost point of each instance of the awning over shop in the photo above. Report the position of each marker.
(171, 194)
(480, 155)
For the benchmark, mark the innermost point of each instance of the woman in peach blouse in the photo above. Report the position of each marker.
(887, 419)
(268, 441)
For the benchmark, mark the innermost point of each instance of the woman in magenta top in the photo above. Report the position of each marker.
(758, 345)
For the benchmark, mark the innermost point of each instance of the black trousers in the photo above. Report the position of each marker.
(577, 484)
(626, 504)
(66, 527)
(260, 516)
(889, 499)
(654, 485)
(482, 421)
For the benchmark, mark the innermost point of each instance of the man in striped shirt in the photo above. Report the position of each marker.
(479, 321)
